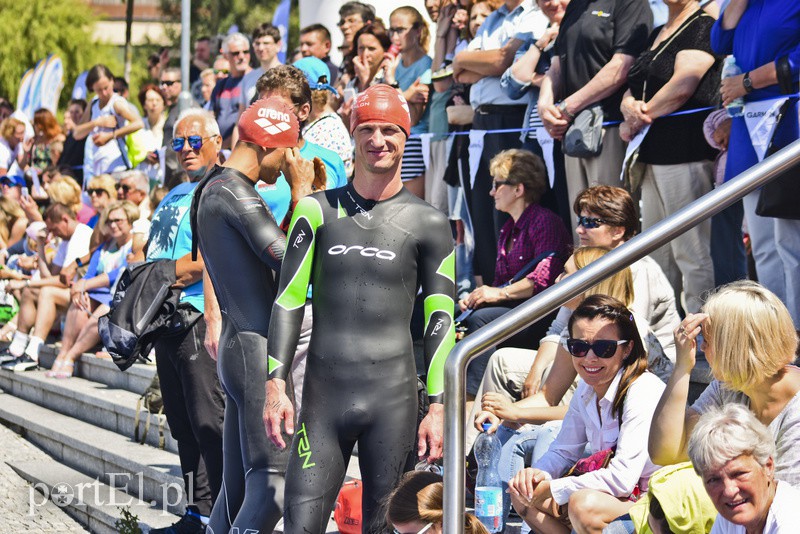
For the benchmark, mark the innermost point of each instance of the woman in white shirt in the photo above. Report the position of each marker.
(611, 410)
(733, 452)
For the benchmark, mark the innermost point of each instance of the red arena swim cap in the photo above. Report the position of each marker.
(381, 103)
(269, 123)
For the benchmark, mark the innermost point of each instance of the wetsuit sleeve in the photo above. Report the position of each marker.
(249, 216)
(287, 311)
(437, 274)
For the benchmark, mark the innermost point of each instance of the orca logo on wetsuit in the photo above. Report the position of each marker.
(368, 252)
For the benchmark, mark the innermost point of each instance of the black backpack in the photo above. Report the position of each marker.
(143, 304)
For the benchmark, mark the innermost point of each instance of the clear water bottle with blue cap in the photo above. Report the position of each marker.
(729, 69)
(488, 486)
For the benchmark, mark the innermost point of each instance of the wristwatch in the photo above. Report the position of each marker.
(747, 83)
(562, 107)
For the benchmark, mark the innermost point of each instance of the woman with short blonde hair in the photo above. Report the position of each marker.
(750, 342)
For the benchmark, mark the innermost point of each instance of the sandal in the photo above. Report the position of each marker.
(61, 369)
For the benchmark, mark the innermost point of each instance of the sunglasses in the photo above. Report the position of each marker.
(169, 83)
(602, 348)
(222, 71)
(98, 192)
(590, 222)
(240, 53)
(424, 529)
(125, 188)
(497, 183)
(195, 142)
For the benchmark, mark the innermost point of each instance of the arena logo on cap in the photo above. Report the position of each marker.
(273, 121)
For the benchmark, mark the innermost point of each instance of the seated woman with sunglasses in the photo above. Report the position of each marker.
(415, 506)
(532, 232)
(530, 424)
(102, 191)
(609, 414)
(91, 295)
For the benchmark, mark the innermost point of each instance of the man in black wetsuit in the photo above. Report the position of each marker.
(242, 245)
(366, 248)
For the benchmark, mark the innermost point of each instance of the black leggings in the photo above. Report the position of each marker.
(252, 490)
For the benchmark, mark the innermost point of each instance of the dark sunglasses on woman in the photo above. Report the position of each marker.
(602, 348)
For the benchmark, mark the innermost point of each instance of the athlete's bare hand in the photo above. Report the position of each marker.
(303, 176)
(431, 434)
(278, 408)
(211, 340)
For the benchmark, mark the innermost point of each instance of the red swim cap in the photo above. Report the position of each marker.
(381, 103)
(269, 123)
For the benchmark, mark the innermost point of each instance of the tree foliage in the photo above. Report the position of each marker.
(216, 17)
(33, 29)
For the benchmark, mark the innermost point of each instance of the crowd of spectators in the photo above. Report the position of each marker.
(496, 95)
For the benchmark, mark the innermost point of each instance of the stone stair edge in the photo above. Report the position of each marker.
(92, 450)
(98, 508)
(96, 402)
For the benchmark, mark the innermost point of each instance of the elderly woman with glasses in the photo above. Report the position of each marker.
(734, 454)
(533, 234)
(91, 295)
(609, 414)
(415, 506)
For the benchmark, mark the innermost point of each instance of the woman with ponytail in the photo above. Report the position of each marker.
(415, 506)
(609, 415)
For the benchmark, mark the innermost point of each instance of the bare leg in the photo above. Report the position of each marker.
(27, 309)
(590, 511)
(538, 521)
(51, 300)
(88, 337)
(76, 319)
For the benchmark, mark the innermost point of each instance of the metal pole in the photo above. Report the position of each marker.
(538, 306)
(185, 99)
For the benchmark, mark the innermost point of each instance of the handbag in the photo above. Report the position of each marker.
(584, 138)
(778, 198)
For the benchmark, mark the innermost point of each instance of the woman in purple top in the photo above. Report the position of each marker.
(520, 179)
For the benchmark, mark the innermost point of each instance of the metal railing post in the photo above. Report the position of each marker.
(550, 299)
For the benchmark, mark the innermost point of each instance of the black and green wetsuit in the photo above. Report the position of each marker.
(366, 261)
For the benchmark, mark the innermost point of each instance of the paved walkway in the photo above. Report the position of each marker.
(16, 495)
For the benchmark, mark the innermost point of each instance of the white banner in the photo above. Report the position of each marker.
(761, 119)
(546, 142)
(633, 146)
(475, 151)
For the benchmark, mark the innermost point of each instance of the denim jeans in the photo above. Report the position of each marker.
(521, 449)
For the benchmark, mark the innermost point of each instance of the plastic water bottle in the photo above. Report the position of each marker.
(730, 68)
(488, 487)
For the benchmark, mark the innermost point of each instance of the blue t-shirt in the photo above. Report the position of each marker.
(405, 77)
(248, 87)
(171, 235)
(279, 195)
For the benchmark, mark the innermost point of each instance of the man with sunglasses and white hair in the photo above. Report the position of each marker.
(226, 98)
(193, 400)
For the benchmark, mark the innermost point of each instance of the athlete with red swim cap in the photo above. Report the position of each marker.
(242, 245)
(367, 247)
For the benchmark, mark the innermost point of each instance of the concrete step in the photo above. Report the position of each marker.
(92, 503)
(140, 470)
(92, 402)
(90, 367)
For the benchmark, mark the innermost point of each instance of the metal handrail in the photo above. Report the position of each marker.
(547, 301)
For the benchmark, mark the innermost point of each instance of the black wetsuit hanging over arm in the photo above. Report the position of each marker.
(241, 246)
(366, 260)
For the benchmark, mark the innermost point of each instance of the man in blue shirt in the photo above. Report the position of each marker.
(193, 400)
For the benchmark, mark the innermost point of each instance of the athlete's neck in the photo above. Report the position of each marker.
(377, 187)
(245, 160)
